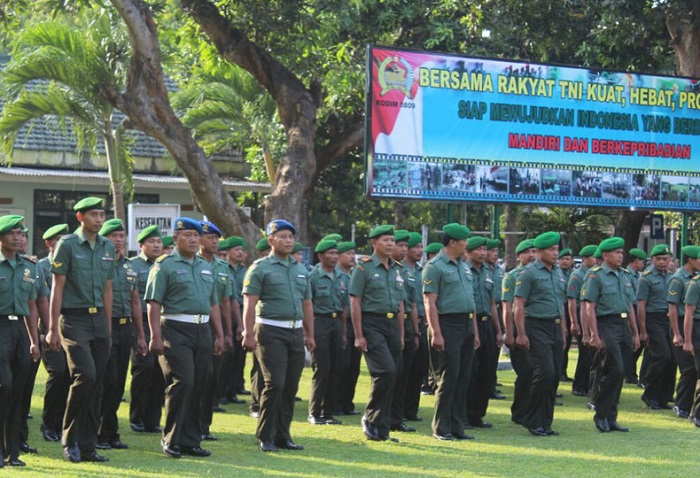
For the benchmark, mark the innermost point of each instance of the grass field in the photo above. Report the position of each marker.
(658, 445)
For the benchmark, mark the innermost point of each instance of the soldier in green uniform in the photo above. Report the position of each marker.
(652, 307)
(637, 263)
(566, 264)
(278, 320)
(539, 310)
(579, 387)
(351, 356)
(676, 311)
(518, 356)
(376, 304)
(233, 382)
(83, 268)
(418, 367)
(691, 333)
(448, 294)
(168, 244)
(57, 382)
(327, 289)
(126, 333)
(183, 311)
(256, 379)
(18, 292)
(608, 295)
(491, 262)
(485, 360)
(147, 382)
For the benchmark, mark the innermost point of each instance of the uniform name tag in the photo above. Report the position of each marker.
(206, 272)
(108, 259)
(301, 276)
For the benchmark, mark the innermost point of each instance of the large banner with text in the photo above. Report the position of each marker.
(455, 128)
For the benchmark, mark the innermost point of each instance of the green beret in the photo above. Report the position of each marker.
(332, 237)
(639, 254)
(433, 248)
(524, 246)
(598, 253)
(297, 247)
(149, 232)
(223, 244)
(611, 243)
(236, 241)
(565, 252)
(167, 241)
(54, 231)
(660, 249)
(110, 226)
(12, 221)
(89, 203)
(326, 245)
(692, 252)
(456, 231)
(492, 243)
(385, 230)
(346, 246)
(547, 240)
(414, 238)
(401, 235)
(588, 251)
(262, 245)
(476, 242)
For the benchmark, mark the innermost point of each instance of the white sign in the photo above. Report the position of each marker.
(143, 215)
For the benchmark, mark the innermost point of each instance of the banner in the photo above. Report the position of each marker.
(454, 128)
(143, 215)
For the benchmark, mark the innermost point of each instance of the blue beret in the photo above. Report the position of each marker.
(187, 223)
(210, 228)
(279, 225)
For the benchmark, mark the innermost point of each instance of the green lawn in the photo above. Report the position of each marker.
(658, 445)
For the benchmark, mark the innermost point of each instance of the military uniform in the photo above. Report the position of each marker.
(612, 292)
(232, 370)
(451, 280)
(631, 356)
(692, 298)
(419, 365)
(518, 355)
(662, 367)
(350, 369)
(381, 291)
(282, 286)
(579, 386)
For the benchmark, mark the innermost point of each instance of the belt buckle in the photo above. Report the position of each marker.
(197, 318)
(123, 321)
(293, 323)
(557, 321)
(334, 314)
(484, 318)
(92, 310)
(471, 315)
(623, 315)
(12, 317)
(390, 315)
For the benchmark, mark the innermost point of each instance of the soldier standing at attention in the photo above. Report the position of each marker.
(327, 296)
(81, 312)
(376, 304)
(691, 332)
(147, 382)
(256, 379)
(608, 295)
(351, 356)
(518, 356)
(448, 294)
(56, 391)
(539, 310)
(652, 306)
(638, 259)
(18, 291)
(182, 313)
(489, 331)
(278, 320)
(126, 309)
(579, 387)
(676, 310)
(233, 370)
(566, 264)
(491, 262)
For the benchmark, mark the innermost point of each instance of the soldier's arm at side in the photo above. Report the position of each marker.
(632, 319)
(53, 340)
(249, 302)
(673, 319)
(108, 300)
(496, 324)
(309, 337)
(402, 324)
(217, 328)
(437, 341)
(226, 323)
(42, 306)
(136, 314)
(509, 338)
(519, 316)
(573, 315)
(236, 318)
(31, 322)
(153, 309)
(356, 317)
(642, 319)
(688, 328)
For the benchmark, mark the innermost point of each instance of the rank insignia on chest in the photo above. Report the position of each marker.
(27, 273)
(399, 278)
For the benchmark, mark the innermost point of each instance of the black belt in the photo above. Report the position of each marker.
(332, 315)
(467, 315)
(554, 320)
(657, 315)
(612, 316)
(81, 311)
(388, 315)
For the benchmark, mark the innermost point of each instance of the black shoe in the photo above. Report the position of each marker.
(268, 446)
(641, 384)
(297, 399)
(496, 395)
(616, 427)
(402, 427)
(24, 447)
(590, 406)
(388, 438)
(103, 445)
(680, 413)
(558, 404)
(369, 430)
(235, 400)
(665, 406)
(565, 378)
(413, 418)
(254, 414)
(481, 424)
(462, 436)
(331, 420)
(93, 457)
(173, 451)
(49, 434)
(288, 445)
(351, 412)
(579, 393)
(538, 432)
(559, 395)
(446, 437)
(315, 420)
(601, 424)
(550, 432)
(209, 437)
(427, 391)
(137, 427)
(243, 391)
(155, 429)
(118, 445)
(632, 380)
(695, 421)
(197, 451)
(218, 409)
(72, 453)
(652, 404)
(14, 462)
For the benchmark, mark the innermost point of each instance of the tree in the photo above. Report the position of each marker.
(80, 64)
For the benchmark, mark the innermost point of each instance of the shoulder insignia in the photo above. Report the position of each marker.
(30, 259)
(696, 278)
(672, 292)
(162, 258)
(427, 281)
(625, 271)
(360, 267)
(365, 259)
(646, 273)
(506, 289)
(595, 268)
(57, 264)
(398, 264)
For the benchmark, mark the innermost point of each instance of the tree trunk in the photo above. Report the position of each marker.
(512, 240)
(399, 214)
(684, 28)
(146, 103)
(114, 172)
(629, 225)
